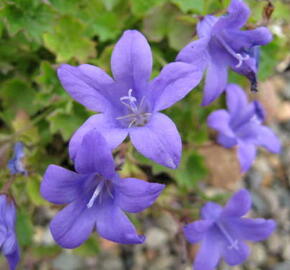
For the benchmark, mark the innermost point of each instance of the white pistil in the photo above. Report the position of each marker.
(132, 101)
(137, 116)
(96, 194)
(233, 242)
(241, 59)
(238, 56)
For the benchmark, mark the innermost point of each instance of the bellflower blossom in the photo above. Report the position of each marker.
(222, 232)
(8, 241)
(15, 164)
(221, 45)
(129, 103)
(241, 126)
(96, 196)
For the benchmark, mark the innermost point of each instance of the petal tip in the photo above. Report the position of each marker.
(156, 188)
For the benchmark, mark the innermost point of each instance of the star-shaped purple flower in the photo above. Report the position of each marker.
(8, 241)
(241, 126)
(222, 232)
(130, 103)
(221, 45)
(96, 196)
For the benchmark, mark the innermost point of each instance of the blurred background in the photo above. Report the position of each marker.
(38, 35)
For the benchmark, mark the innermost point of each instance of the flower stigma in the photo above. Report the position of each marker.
(241, 58)
(137, 115)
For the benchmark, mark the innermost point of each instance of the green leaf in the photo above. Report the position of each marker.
(141, 7)
(71, 7)
(33, 190)
(24, 129)
(89, 248)
(50, 90)
(16, 94)
(33, 18)
(167, 21)
(24, 227)
(44, 252)
(180, 34)
(68, 41)
(187, 5)
(110, 4)
(67, 122)
(191, 171)
(104, 60)
(106, 25)
(1, 28)
(269, 58)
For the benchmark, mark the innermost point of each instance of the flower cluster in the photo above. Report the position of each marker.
(129, 104)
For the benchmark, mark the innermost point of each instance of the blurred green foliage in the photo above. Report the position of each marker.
(36, 36)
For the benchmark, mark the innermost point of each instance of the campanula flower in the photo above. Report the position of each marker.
(8, 241)
(241, 126)
(15, 164)
(222, 232)
(96, 196)
(129, 102)
(221, 45)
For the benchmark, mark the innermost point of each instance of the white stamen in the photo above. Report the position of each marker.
(132, 123)
(96, 194)
(127, 116)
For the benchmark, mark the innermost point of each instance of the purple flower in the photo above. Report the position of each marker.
(242, 126)
(222, 44)
(222, 232)
(130, 103)
(96, 197)
(8, 241)
(15, 164)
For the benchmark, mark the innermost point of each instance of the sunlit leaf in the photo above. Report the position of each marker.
(24, 227)
(68, 41)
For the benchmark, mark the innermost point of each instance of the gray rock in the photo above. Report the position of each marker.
(109, 261)
(167, 222)
(286, 248)
(274, 243)
(259, 204)
(164, 262)
(258, 254)
(67, 261)
(282, 266)
(112, 264)
(156, 238)
(271, 199)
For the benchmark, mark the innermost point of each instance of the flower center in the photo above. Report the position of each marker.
(103, 184)
(233, 243)
(241, 58)
(137, 115)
